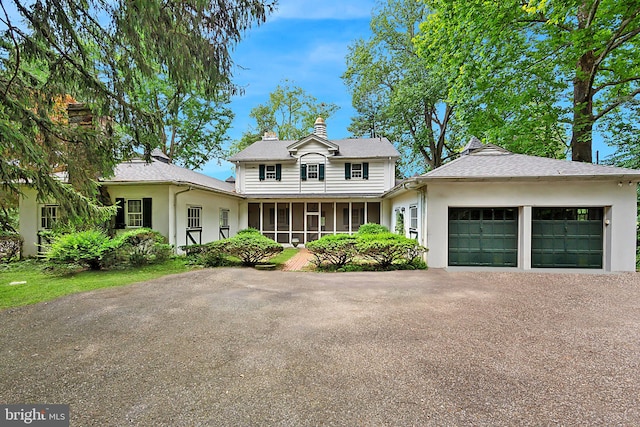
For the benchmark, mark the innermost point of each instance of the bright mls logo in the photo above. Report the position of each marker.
(34, 415)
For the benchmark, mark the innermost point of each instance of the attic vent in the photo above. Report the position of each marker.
(270, 136)
(473, 144)
(159, 155)
(320, 128)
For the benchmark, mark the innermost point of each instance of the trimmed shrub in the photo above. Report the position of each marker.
(249, 230)
(141, 246)
(336, 250)
(250, 246)
(83, 248)
(372, 228)
(388, 248)
(207, 255)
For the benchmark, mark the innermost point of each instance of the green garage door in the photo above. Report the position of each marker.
(566, 237)
(483, 236)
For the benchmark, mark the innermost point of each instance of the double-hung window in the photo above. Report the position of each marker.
(134, 212)
(48, 216)
(356, 170)
(413, 217)
(224, 217)
(194, 215)
(312, 171)
(270, 172)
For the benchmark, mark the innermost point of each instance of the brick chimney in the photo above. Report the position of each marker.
(320, 128)
(270, 136)
(79, 114)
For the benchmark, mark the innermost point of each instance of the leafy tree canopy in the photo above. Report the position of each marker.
(552, 71)
(290, 113)
(103, 53)
(398, 94)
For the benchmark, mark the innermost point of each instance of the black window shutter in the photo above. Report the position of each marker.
(303, 172)
(278, 172)
(261, 172)
(321, 172)
(365, 171)
(146, 212)
(120, 213)
(347, 171)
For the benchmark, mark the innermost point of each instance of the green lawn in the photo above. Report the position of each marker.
(40, 286)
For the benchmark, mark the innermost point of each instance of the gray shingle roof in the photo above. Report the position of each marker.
(270, 150)
(137, 170)
(490, 162)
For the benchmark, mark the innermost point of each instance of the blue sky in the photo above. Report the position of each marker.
(305, 42)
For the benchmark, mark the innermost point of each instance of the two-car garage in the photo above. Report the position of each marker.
(561, 237)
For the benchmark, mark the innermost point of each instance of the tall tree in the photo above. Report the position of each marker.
(102, 53)
(290, 113)
(577, 59)
(396, 93)
(194, 124)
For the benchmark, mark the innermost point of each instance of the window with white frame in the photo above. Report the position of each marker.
(224, 217)
(194, 215)
(48, 216)
(356, 170)
(134, 213)
(270, 172)
(413, 217)
(312, 171)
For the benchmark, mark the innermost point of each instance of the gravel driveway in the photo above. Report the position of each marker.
(244, 347)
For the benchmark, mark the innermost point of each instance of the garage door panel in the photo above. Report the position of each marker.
(567, 237)
(483, 236)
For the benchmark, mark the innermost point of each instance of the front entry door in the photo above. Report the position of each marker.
(313, 226)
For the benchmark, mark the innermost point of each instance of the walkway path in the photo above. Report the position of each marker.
(298, 261)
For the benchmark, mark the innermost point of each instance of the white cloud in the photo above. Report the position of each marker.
(323, 9)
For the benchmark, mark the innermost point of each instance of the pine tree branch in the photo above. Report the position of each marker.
(10, 28)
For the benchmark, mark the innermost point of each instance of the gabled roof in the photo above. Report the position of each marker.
(159, 172)
(330, 145)
(490, 162)
(276, 150)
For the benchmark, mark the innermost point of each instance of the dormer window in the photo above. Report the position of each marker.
(312, 171)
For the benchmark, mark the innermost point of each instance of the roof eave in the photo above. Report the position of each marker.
(178, 183)
(536, 178)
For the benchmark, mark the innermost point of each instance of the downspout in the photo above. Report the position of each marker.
(175, 216)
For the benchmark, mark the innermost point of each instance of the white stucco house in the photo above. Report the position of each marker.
(488, 208)
(185, 206)
(491, 207)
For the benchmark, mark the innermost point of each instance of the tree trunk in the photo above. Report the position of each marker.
(582, 132)
(581, 137)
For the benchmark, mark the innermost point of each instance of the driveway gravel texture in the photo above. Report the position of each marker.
(241, 347)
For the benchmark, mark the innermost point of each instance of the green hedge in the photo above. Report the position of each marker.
(82, 248)
(95, 250)
(336, 250)
(385, 249)
(248, 245)
(251, 247)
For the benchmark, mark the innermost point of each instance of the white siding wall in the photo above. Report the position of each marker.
(619, 235)
(334, 181)
(381, 175)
